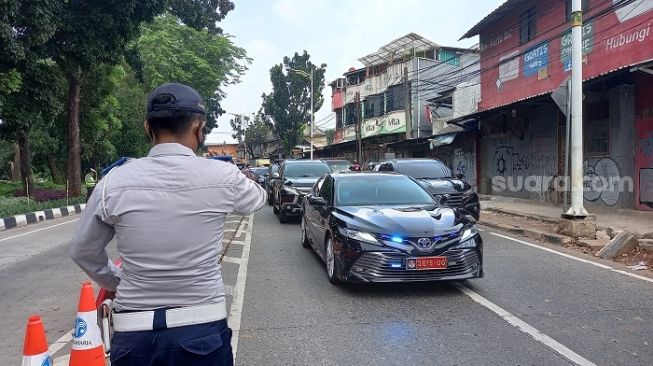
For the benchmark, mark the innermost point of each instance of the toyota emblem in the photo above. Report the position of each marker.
(424, 242)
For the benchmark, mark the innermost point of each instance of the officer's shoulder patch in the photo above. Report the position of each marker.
(122, 161)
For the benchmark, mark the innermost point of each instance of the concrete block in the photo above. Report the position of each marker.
(594, 243)
(533, 234)
(622, 243)
(577, 228)
(556, 239)
(602, 235)
(646, 244)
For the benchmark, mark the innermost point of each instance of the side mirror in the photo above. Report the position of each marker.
(275, 176)
(460, 175)
(316, 201)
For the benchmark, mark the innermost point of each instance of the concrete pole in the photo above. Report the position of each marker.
(312, 114)
(576, 209)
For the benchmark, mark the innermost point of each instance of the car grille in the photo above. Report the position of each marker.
(377, 266)
(455, 199)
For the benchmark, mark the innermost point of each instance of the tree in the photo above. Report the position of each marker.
(253, 132)
(174, 52)
(289, 103)
(35, 105)
(330, 135)
(95, 32)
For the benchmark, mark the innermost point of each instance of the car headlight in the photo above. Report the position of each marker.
(359, 235)
(468, 239)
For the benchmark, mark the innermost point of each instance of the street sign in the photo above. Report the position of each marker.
(561, 96)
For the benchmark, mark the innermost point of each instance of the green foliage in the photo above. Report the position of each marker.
(201, 14)
(330, 136)
(20, 205)
(252, 132)
(289, 103)
(174, 52)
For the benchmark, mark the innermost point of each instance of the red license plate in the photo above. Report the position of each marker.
(431, 263)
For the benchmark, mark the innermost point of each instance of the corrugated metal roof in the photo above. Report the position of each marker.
(398, 47)
(498, 13)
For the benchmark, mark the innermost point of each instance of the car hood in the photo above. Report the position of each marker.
(302, 182)
(444, 185)
(403, 221)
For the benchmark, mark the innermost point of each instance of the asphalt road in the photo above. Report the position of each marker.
(552, 304)
(535, 307)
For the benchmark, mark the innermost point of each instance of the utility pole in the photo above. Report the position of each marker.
(408, 104)
(359, 142)
(576, 209)
(312, 113)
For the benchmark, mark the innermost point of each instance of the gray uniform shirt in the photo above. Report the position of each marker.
(167, 212)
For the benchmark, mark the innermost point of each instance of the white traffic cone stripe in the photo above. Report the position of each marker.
(43, 359)
(86, 334)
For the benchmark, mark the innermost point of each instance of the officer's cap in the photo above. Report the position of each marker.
(175, 97)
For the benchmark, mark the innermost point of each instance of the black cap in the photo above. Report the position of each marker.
(175, 97)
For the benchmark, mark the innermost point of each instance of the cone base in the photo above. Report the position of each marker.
(88, 357)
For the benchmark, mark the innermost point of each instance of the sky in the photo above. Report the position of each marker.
(334, 32)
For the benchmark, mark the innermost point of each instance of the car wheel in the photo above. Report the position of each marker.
(274, 208)
(269, 199)
(283, 218)
(305, 242)
(330, 259)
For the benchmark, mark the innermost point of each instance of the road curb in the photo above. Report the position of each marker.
(11, 222)
(534, 234)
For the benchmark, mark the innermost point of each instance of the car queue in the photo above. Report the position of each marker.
(396, 221)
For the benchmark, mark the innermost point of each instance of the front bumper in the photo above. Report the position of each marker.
(360, 262)
(377, 267)
(293, 208)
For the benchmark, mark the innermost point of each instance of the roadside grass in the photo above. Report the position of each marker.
(46, 195)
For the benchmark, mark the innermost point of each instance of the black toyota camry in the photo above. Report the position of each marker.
(375, 227)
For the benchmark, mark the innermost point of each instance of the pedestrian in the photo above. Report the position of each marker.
(355, 166)
(167, 211)
(89, 182)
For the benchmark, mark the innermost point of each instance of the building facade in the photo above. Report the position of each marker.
(386, 102)
(525, 55)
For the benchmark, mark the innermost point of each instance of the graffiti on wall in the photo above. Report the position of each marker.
(601, 180)
(524, 166)
(464, 162)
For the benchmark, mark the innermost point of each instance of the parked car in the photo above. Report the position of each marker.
(387, 228)
(270, 180)
(259, 174)
(438, 180)
(338, 165)
(296, 177)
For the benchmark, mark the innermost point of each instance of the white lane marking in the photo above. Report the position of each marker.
(236, 312)
(229, 230)
(61, 342)
(239, 242)
(525, 327)
(231, 259)
(62, 361)
(600, 265)
(37, 230)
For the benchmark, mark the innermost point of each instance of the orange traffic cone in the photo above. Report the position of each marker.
(88, 349)
(35, 350)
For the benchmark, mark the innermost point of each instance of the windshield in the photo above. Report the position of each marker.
(424, 169)
(299, 170)
(339, 166)
(274, 169)
(380, 190)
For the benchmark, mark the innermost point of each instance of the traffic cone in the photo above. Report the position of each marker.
(35, 350)
(87, 349)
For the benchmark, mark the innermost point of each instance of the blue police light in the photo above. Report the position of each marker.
(395, 265)
(397, 239)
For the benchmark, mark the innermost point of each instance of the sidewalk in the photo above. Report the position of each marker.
(639, 223)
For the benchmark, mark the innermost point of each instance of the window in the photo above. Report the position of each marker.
(527, 22)
(362, 190)
(326, 191)
(373, 105)
(386, 167)
(395, 98)
(585, 5)
(597, 129)
(448, 57)
(424, 169)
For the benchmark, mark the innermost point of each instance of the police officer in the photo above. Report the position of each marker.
(167, 212)
(89, 181)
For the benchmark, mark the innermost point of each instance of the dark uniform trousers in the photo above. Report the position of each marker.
(206, 344)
